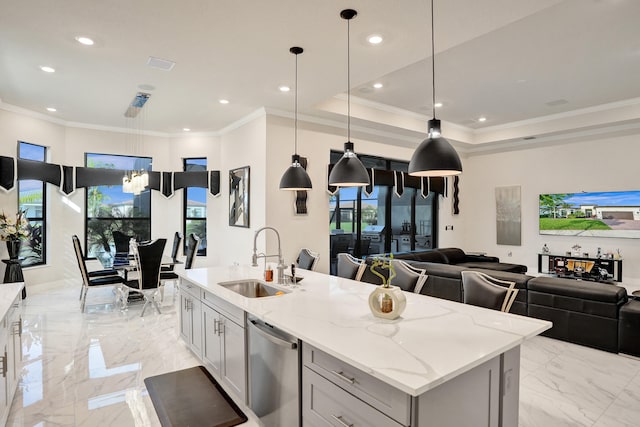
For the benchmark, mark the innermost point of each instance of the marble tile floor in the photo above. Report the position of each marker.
(88, 369)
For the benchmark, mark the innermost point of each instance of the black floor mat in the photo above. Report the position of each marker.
(191, 397)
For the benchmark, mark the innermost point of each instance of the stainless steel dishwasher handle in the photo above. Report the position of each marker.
(275, 340)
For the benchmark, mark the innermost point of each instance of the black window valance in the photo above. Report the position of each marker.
(68, 178)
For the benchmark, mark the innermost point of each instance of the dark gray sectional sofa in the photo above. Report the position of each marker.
(585, 313)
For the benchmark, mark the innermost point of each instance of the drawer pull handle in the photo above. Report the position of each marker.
(215, 327)
(339, 419)
(343, 377)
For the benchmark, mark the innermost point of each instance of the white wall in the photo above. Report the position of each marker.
(244, 146)
(314, 142)
(265, 143)
(609, 164)
(167, 218)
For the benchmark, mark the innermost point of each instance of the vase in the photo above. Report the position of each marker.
(13, 247)
(387, 302)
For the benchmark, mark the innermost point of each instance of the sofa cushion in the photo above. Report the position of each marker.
(443, 281)
(497, 266)
(430, 256)
(593, 291)
(588, 298)
(452, 255)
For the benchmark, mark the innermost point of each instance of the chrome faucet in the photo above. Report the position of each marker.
(255, 256)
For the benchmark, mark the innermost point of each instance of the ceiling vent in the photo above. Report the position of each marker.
(160, 64)
(136, 105)
(529, 138)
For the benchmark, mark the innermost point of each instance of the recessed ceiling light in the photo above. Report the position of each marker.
(374, 39)
(47, 69)
(224, 101)
(378, 85)
(84, 40)
(51, 109)
(438, 104)
(482, 119)
(284, 88)
(186, 129)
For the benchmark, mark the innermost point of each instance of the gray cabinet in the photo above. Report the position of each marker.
(224, 343)
(326, 404)
(191, 317)
(333, 389)
(337, 394)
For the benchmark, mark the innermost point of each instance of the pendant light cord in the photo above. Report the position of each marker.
(348, 81)
(433, 65)
(295, 137)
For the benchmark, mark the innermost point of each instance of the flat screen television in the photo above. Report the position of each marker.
(596, 214)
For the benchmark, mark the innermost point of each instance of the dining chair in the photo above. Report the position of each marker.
(95, 278)
(307, 259)
(148, 258)
(193, 242)
(408, 277)
(350, 267)
(485, 291)
(167, 273)
(121, 242)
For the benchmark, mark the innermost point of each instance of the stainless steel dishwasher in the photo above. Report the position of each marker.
(274, 373)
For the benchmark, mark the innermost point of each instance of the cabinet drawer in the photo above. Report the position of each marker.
(325, 404)
(190, 288)
(227, 309)
(376, 393)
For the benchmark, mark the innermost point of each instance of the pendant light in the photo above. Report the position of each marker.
(349, 171)
(295, 177)
(434, 156)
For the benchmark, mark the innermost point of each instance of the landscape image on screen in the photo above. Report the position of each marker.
(598, 214)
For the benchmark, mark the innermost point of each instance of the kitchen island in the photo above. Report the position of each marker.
(442, 363)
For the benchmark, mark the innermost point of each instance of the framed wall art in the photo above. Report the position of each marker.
(508, 216)
(239, 197)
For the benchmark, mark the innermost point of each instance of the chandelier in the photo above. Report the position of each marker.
(135, 182)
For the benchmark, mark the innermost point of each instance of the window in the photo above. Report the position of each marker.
(108, 208)
(195, 206)
(381, 222)
(32, 200)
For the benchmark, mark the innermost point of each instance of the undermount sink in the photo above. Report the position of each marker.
(252, 288)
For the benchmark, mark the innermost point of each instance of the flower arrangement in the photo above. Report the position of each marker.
(11, 229)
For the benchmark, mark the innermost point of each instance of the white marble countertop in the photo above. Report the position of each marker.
(433, 341)
(8, 293)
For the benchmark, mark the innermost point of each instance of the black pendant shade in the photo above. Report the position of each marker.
(434, 156)
(295, 178)
(349, 171)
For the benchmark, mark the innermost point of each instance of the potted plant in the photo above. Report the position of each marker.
(386, 301)
(13, 231)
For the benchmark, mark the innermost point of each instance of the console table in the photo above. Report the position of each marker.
(580, 267)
